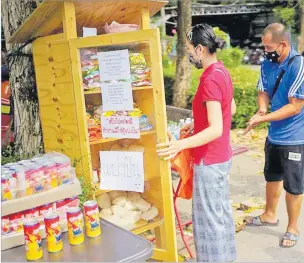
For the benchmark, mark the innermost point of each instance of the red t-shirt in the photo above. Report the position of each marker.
(215, 85)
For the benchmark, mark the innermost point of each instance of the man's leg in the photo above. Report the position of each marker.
(293, 203)
(294, 186)
(273, 175)
(273, 192)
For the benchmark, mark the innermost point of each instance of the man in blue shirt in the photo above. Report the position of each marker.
(281, 85)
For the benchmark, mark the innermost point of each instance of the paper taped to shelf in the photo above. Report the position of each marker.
(123, 171)
(89, 31)
(117, 96)
(114, 65)
(120, 127)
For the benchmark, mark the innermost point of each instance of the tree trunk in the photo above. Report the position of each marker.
(26, 127)
(183, 67)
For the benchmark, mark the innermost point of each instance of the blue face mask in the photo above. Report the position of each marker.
(193, 61)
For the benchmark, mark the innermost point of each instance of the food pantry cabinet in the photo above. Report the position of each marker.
(64, 95)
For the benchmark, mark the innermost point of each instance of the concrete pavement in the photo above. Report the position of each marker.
(254, 244)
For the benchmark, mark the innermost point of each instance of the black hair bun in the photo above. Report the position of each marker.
(220, 42)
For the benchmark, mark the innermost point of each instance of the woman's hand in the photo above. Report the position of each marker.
(169, 149)
(187, 129)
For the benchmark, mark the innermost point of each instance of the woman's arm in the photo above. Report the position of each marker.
(214, 131)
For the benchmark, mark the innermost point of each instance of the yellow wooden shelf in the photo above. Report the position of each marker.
(116, 139)
(143, 226)
(90, 92)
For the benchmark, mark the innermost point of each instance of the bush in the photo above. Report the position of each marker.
(231, 57)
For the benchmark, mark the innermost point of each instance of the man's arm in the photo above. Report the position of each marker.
(294, 107)
(263, 102)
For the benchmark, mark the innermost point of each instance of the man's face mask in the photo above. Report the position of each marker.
(197, 63)
(272, 56)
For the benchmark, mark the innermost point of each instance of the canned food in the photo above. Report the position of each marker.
(53, 232)
(92, 222)
(33, 242)
(73, 201)
(21, 180)
(6, 193)
(31, 213)
(60, 204)
(5, 226)
(45, 209)
(75, 226)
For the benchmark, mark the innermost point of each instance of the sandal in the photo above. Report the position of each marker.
(290, 237)
(257, 221)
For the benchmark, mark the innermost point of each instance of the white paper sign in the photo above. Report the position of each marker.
(120, 127)
(123, 171)
(117, 96)
(114, 65)
(89, 31)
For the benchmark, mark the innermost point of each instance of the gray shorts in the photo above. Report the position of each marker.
(213, 223)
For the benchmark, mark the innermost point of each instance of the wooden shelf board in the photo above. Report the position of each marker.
(52, 195)
(143, 226)
(90, 92)
(116, 139)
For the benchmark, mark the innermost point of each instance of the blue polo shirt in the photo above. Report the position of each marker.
(289, 131)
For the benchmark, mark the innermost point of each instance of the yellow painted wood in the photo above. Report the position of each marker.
(145, 18)
(80, 112)
(161, 128)
(115, 139)
(56, 97)
(120, 38)
(90, 92)
(89, 13)
(69, 20)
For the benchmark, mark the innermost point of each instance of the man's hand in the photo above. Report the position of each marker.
(256, 120)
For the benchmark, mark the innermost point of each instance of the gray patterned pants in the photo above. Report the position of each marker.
(213, 224)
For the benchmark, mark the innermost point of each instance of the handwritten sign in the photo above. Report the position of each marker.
(120, 127)
(117, 96)
(122, 171)
(114, 65)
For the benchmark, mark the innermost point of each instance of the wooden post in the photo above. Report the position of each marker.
(69, 20)
(145, 18)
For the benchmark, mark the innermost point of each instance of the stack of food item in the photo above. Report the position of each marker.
(144, 123)
(140, 72)
(94, 122)
(13, 223)
(125, 209)
(90, 69)
(37, 175)
(94, 113)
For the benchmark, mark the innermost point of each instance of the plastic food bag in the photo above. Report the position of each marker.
(115, 27)
(183, 164)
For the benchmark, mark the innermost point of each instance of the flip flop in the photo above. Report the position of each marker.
(256, 221)
(290, 237)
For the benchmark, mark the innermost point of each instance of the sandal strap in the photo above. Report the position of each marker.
(290, 236)
(257, 221)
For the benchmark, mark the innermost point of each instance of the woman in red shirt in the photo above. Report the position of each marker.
(213, 106)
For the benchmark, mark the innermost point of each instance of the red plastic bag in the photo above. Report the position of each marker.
(183, 165)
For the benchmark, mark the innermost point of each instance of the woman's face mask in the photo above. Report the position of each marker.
(195, 62)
